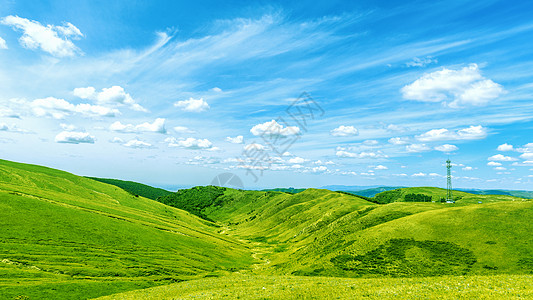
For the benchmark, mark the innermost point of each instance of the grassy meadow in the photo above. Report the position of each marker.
(70, 237)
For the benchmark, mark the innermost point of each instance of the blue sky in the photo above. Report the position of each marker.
(174, 93)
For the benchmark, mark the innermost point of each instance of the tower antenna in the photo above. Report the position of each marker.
(449, 197)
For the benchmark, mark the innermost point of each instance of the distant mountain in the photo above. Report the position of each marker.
(521, 194)
(374, 191)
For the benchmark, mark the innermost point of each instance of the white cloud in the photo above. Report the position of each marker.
(346, 154)
(527, 156)
(499, 157)
(10, 128)
(7, 112)
(370, 142)
(74, 137)
(345, 131)
(468, 169)
(463, 87)
(505, 147)
(183, 129)
(135, 143)
(190, 143)
(116, 140)
(51, 39)
(3, 44)
(399, 140)
(273, 128)
(380, 167)
(395, 128)
(500, 168)
(493, 164)
(192, 105)
(67, 127)
(157, 126)
(414, 148)
(60, 108)
(443, 134)
(421, 62)
(446, 148)
(216, 90)
(296, 160)
(115, 96)
(319, 169)
(236, 140)
(434, 175)
(419, 175)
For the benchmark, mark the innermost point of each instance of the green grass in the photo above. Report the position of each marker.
(291, 287)
(69, 236)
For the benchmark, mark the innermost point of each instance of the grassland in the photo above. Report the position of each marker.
(69, 237)
(292, 287)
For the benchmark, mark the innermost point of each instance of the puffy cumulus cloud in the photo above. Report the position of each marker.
(462, 87)
(446, 148)
(421, 62)
(55, 40)
(192, 105)
(157, 126)
(183, 129)
(493, 164)
(236, 140)
(6, 112)
(296, 160)
(362, 155)
(345, 131)
(319, 169)
(505, 147)
(499, 157)
(190, 143)
(415, 148)
(3, 44)
(500, 168)
(468, 169)
(273, 128)
(443, 134)
(216, 90)
(60, 108)
(114, 96)
(399, 140)
(74, 137)
(380, 167)
(138, 144)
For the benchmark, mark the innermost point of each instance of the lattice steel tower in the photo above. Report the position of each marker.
(449, 181)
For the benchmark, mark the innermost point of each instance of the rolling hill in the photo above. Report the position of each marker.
(69, 237)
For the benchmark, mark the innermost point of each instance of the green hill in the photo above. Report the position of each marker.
(69, 237)
(135, 188)
(320, 232)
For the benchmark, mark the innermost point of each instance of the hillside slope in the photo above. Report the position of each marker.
(135, 188)
(67, 237)
(320, 232)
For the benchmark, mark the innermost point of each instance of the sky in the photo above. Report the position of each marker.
(277, 93)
